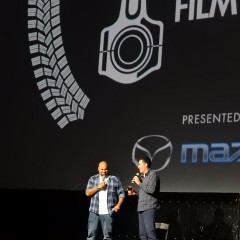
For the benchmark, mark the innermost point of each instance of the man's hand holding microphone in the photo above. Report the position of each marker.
(137, 180)
(102, 185)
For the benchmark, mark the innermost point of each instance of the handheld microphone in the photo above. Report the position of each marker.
(138, 175)
(104, 179)
(130, 187)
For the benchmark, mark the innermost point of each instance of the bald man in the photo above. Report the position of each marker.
(107, 195)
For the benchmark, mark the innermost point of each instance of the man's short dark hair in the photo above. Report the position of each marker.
(146, 159)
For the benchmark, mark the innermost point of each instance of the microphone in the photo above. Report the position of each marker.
(103, 178)
(130, 187)
(138, 175)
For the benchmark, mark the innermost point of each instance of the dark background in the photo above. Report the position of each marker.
(55, 214)
(199, 74)
(44, 170)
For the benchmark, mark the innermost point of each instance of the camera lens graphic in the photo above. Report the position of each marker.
(133, 42)
(131, 49)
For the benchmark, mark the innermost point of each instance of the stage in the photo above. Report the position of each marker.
(53, 214)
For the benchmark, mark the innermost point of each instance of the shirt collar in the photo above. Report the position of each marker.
(147, 173)
(101, 177)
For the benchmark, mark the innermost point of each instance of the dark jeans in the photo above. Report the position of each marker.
(94, 222)
(147, 224)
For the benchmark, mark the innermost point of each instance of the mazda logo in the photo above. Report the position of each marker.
(157, 147)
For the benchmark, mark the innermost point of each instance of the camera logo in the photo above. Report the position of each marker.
(157, 147)
(131, 48)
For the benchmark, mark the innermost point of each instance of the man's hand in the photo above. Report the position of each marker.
(136, 180)
(116, 208)
(131, 192)
(102, 185)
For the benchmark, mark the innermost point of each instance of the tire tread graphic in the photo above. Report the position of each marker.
(59, 90)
